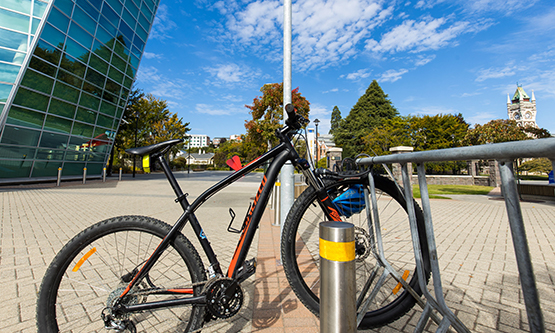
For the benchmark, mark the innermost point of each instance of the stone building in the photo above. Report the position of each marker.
(522, 108)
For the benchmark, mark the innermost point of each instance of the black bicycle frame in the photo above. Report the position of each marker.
(279, 155)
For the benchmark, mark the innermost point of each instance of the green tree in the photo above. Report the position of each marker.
(267, 113)
(498, 130)
(369, 112)
(537, 165)
(336, 120)
(226, 151)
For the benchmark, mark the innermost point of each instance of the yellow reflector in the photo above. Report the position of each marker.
(82, 260)
(146, 163)
(337, 251)
(399, 285)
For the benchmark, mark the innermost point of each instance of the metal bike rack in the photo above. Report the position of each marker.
(505, 153)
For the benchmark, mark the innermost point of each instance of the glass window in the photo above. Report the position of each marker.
(92, 89)
(85, 115)
(56, 124)
(50, 154)
(111, 15)
(144, 22)
(31, 99)
(58, 19)
(108, 26)
(73, 66)
(88, 8)
(65, 6)
(78, 34)
(100, 133)
(115, 75)
(120, 112)
(98, 64)
(38, 82)
(102, 51)
(142, 33)
(126, 30)
(8, 72)
(89, 101)
(48, 53)
(96, 168)
(130, 71)
(108, 108)
(61, 108)
(66, 92)
(23, 117)
(77, 51)
(138, 43)
(69, 79)
(23, 6)
(147, 13)
(124, 40)
(109, 97)
(124, 93)
(95, 77)
(134, 61)
(129, 19)
(13, 40)
(73, 169)
(103, 36)
(133, 9)
(118, 63)
(5, 91)
(39, 8)
(104, 121)
(121, 50)
(46, 169)
(53, 36)
(52, 140)
(96, 4)
(127, 82)
(15, 169)
(84, 20)
(82, 130)
(113, 87)
(14, 21)
(150, 4)
(77, 155)
(20, 136)
(35, 26)
(17, 152)
(11, 56)
(116, 5)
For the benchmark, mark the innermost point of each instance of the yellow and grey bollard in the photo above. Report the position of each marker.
(337, 278)
(277, 206)
(119, 173)
(84, 175)
(59, 180)
(104, 175)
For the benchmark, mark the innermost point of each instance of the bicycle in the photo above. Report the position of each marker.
(136, 273)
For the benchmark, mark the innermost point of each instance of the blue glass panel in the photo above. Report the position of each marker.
(51, 140)
(129, 19)
(134, 61)
(37, 81)
(76, 50)
(108, 26)
(53, 36)
(58, 19)
(136, 52)
(20, 136)
(61, 108)
(35, 26)
(8, 72)
(103, 36)
(121, 50)
(116, 5)
(138, 43)
(118, 63)
(23, 117)
(102, 51)
(144, 22)
(131, 71)
(133, 9)
(86, 6)
(96, 4)
(48, 53)
(80, 35)
(13, 40)
(147, 13)
(126, 31)
(5, 91)
(39, 8)
(23, 6)
(150, 4)
(124, 40)
(98, 64)
(14, 21)
(73, 66)
(15, 169)
(141, 32)
(111, 15)
(84, 20)
(65, 6)
(12, 56)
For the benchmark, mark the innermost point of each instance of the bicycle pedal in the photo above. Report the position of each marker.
(247, 270)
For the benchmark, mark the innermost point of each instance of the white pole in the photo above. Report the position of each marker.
(287, 172)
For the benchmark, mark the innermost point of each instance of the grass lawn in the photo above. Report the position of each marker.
(437, 191)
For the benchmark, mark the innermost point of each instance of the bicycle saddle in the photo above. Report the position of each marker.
(153, 149)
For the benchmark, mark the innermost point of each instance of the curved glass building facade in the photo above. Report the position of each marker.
(66, 70)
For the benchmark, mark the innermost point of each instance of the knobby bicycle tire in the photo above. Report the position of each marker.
(87, 275)
(300, 254)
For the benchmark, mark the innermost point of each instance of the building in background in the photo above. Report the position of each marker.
(521, 108)
(66, 69)
(198, 141)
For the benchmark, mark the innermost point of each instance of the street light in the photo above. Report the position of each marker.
(136, 131)
(316, 122)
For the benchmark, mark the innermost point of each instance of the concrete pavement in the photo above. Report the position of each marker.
(477, 259)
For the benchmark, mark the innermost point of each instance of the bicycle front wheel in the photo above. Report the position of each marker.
(300, 252)
(95, 267)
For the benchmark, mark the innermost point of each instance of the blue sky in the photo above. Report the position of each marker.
(210, 58)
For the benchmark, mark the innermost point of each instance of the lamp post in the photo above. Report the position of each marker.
(136, 133)
(316, 122)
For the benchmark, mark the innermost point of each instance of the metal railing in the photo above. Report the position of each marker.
(505, 153)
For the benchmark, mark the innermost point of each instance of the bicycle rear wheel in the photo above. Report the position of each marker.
(300, 253)
(91, 271)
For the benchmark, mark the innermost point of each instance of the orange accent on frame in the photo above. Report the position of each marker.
(182, 291)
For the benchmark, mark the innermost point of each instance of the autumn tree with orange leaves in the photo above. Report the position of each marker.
(267, 116)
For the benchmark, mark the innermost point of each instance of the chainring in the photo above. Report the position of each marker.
(220, 305)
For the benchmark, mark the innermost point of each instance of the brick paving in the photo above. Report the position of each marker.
(477, 261)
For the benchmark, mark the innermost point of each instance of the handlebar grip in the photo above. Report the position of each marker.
(291, 115)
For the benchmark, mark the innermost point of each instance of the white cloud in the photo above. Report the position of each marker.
(231, 73)
(162, 25)
(218, 110)
(161, 86)
(360, 74)
(149, 55)
(421, 60)
(392, 75)
(481, 118)
(495, 73)
(330, 91)
(431, 110)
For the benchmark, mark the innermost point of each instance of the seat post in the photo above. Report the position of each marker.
(173, 181)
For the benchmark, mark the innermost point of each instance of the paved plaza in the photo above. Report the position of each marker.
(476, 256)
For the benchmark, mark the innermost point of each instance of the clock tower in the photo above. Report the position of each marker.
(521, 108)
